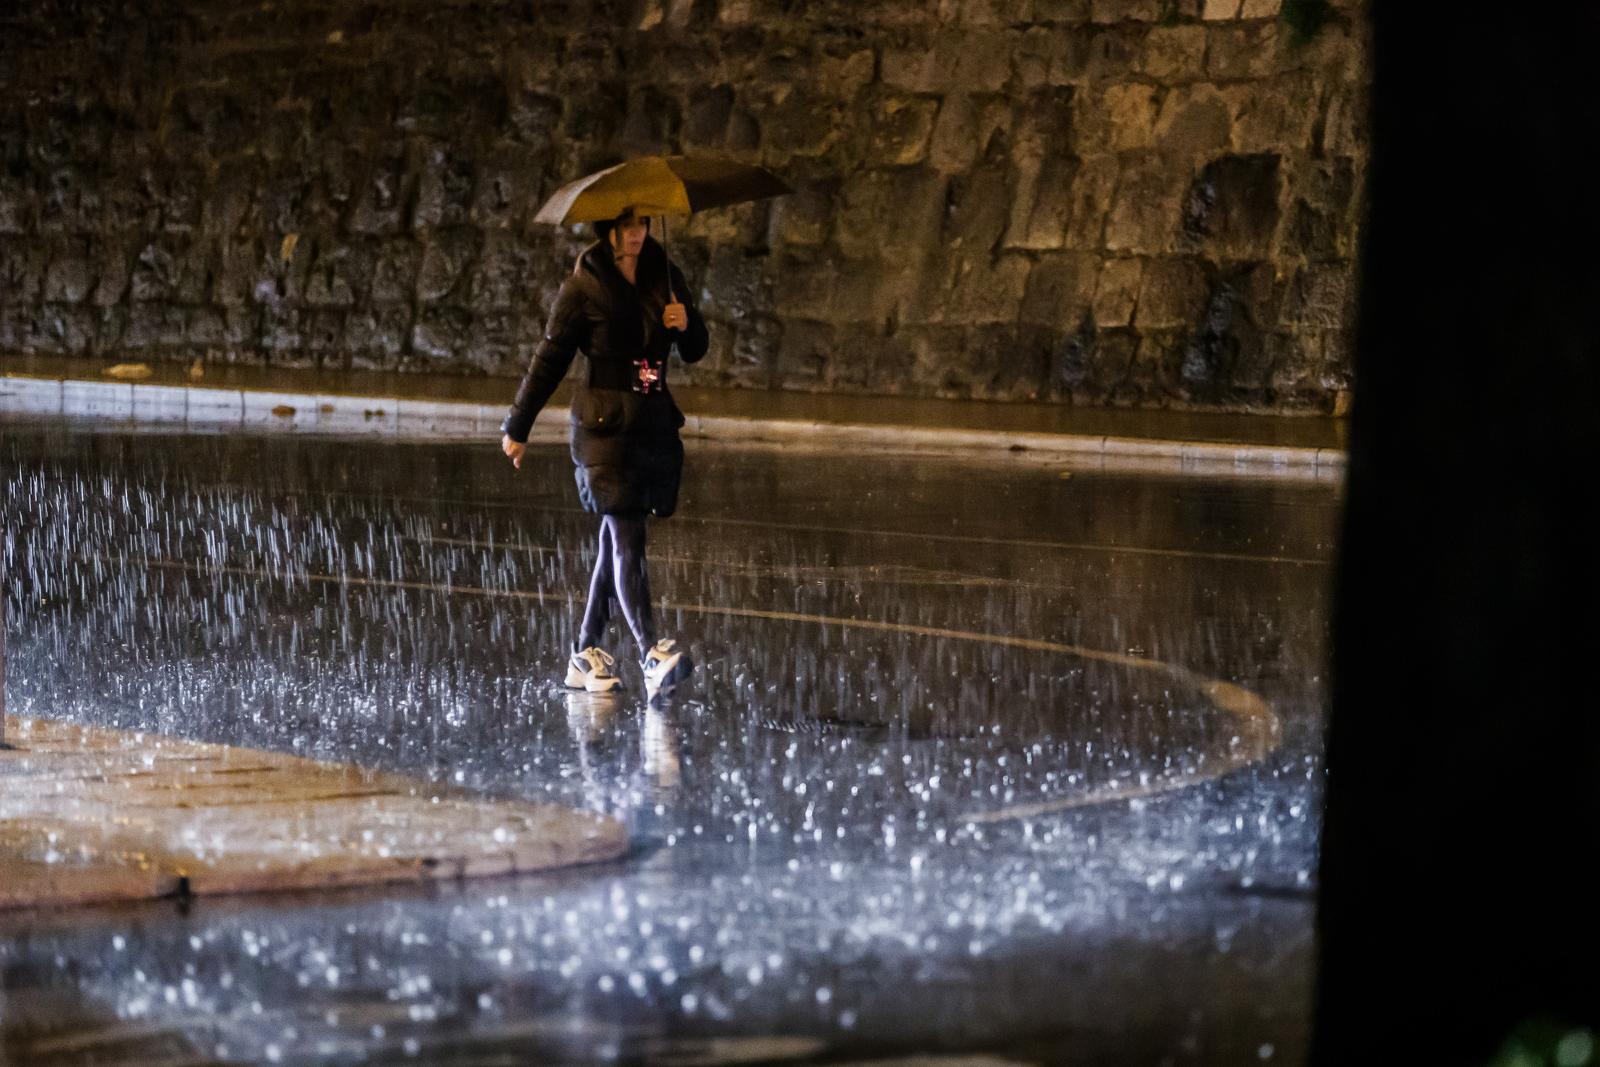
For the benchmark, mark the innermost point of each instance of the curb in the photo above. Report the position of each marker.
(213, 408)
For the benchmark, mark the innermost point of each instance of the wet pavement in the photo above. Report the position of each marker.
(981, 757)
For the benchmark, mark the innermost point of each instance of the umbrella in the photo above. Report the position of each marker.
(660, 185)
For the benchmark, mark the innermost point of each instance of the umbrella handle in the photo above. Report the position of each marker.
(672, 297)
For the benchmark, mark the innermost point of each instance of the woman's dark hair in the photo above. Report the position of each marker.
(603, 228)
(650, 277)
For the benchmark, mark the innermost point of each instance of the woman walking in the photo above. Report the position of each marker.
(624, 305)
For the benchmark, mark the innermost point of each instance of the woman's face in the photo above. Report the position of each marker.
(628, 236)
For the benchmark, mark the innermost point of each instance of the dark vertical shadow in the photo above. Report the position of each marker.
(1463, 797)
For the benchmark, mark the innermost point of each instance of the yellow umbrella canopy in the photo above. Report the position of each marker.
(659, 185)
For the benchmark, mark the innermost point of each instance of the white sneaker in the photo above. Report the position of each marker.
(591, 670)
(664, 667)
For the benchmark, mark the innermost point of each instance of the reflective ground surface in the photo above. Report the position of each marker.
(955, 774)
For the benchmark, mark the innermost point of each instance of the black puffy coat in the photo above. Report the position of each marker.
(624, 422)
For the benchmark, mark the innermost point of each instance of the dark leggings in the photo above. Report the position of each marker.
(619, 572)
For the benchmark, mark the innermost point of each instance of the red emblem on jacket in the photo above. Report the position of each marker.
(649, 376)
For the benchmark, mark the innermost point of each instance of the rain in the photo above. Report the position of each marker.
(979, 756)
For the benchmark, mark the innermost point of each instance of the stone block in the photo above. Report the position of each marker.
(507, 186)
(380, 202)
(1321, 295)
(70, 276)
(1232, 207)
(889, 213)
(376, 338)
(533, 117)
(171, 269)
(63, 329)
(1294, 364)
(1123, 117)
(204, 327)
(594, 110)
(1260, 9)
(1112, 53)
(1094, 185)
(1051, 55)
(1043, 128)
(337, 275)
(738, 283)
(965, 128)
(753, 353)
(492, 344)
(1243, 51)
(238, 260)
(1125, 10)
(1004, 362)
(115, 263)
(801, 124)
(1345, 121)
(153, 326)
(395, 267)
(1172, 294)
(1116, 292)
(1230, 334)
(13, 329)
(1335, 373)
(1042, 205)
(977, 208)
(1056, 11)
(499, 275)
(900, 130)
(439, 336)
(1129, 369)
(447, 258)
(1146, 208)
(1250, 375)
(807, 350)
(970, 61)
(1071, 359)
(444, 187)
(1278, 115)
(1060, 289)
(846, 75)
(652, 123)
(1321, 224)
(240, 325)
(1112, 366)
(22, 267)
(1174, 54)
(322, 332)
(1213, 10)
(706, 121)
(275, 280)
(805, 218)
(1194, 121)
(281, 201)
(69, 201)
(984, 291)
(227, 202)
(16, 205)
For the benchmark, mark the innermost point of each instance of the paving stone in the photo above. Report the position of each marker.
(89, 814)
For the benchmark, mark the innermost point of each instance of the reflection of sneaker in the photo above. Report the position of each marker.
(665, 666)
(591, 670)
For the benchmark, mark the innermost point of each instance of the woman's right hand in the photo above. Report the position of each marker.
(513, 450)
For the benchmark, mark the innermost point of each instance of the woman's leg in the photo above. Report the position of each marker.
(597, 613)
(629, 576)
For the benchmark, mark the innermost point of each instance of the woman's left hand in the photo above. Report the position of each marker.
(675, 317)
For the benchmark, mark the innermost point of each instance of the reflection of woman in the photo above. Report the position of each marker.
(617, 306)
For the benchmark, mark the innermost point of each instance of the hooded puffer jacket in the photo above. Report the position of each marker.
(624, 422)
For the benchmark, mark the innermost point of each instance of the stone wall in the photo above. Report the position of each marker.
(1090, 201)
